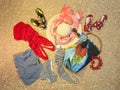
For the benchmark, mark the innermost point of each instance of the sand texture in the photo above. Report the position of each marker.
(107, 78)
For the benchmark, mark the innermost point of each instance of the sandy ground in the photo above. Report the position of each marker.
(13, 11)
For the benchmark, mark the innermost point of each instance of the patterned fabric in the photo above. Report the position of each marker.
(79, 56)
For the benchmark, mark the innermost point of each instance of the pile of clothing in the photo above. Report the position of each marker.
(74, 48)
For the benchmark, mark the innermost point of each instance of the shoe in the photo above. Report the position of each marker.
(100, 23)
(88, 25)
(39, 12)
(42, 25)
(37, 23)
(41, 16)
(103, 19)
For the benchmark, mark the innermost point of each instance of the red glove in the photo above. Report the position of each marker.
(25, 32)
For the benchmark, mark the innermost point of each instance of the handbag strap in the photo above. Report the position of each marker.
(100, 41)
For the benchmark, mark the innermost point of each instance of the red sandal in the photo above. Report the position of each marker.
(100, 23)
(88, 25)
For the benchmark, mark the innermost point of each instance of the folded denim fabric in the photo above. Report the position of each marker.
(28, 65)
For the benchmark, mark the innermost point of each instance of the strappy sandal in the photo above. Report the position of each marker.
(100, 23)
(40, 14)
(37, 23)
(41, 21)
(88, 25)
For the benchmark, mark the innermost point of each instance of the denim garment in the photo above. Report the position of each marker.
(28, 66)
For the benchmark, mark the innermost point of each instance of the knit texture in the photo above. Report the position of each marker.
(59, 61)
